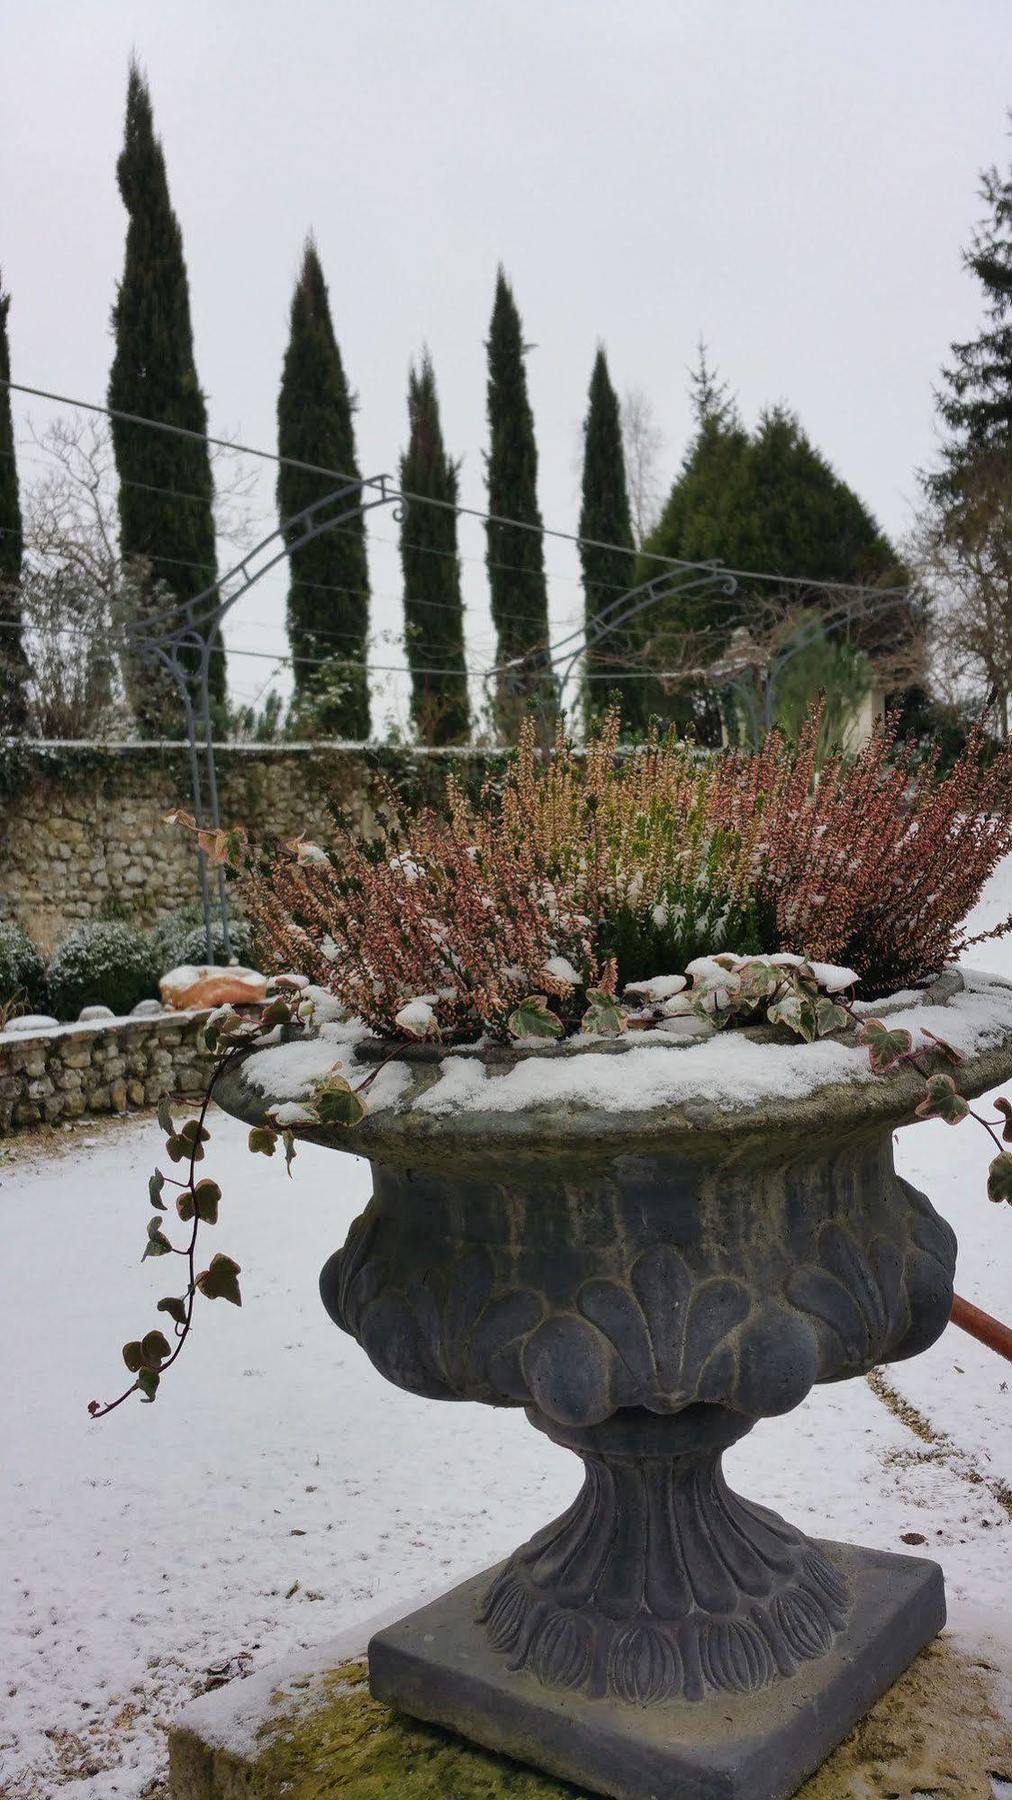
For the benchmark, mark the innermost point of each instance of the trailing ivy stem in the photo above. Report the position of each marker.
(188, 1186)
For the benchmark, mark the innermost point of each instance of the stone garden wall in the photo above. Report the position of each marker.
(106, 1066)
(81, 832)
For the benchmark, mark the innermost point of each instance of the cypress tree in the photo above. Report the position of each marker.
(166, 489)
(605, 515)
(13, 660)
(328, 595)
(514, 557)
(433, 609)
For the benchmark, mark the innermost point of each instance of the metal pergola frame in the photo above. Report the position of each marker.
(180, 638)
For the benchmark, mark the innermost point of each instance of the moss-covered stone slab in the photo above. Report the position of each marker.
(939, 1732)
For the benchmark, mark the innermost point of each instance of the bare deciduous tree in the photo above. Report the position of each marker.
(77, 593)
(642, 443)
(966, 567)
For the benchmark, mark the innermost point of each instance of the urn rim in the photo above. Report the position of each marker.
(697, 1121)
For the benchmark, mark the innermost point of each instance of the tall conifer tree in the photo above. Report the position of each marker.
(515, 557)
(976, 401)
(605, 515)
(166, 488)
(433, 609)
(13, 659)
(328, 595)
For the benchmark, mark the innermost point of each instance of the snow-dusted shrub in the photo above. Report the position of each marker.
(103, 963)
(22, 969)
(180, 939)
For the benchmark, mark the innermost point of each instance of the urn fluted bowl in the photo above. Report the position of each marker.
(651, 1248)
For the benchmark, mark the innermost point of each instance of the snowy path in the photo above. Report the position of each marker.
(280, 1490)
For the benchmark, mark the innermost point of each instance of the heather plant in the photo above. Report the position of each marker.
(875, 860)
(582, 864)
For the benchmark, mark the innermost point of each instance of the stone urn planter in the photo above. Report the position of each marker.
(650, 1275)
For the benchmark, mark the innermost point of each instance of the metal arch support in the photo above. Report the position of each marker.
(170, 638)
(562, 657)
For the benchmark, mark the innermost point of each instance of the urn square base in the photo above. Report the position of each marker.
(438, 1665)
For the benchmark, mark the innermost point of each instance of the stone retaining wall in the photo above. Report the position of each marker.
(81, 825)
(106, 1066)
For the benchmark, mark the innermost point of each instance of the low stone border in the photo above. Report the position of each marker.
(309, 1727)
(101, 1066)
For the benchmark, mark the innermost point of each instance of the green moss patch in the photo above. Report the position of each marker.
(936, 1732)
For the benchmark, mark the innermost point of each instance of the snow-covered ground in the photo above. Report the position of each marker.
(280, 1490)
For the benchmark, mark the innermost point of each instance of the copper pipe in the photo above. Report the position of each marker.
(982, 1326)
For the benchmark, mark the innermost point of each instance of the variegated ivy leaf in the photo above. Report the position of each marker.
(1005, 1108)
(165, 1117)
(277, 1012)
(603, 1016)
(798, 1013)
(220, 1280)
(175, 1308)
(885, 1048)
(155, 1186)
(830, 1017)
(941, 1101)
(206, 1196)
(147, 1353)
(288, 1139)
(178, 817)
(304, 851)
(949, 1051)
(157, 1244)
(225, 848)
(335, 1101)
(227, 1028)
(263, 1139)
(533, 1018)
(759, 979)
(999, 1178)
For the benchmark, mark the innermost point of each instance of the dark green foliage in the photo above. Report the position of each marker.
(328, 595)
(102, 964)
(22, 969)
(975, 403)
(769, 501)
(433, 609)
(13, 660)
(766, 501)
(607, 574)
(515, 557)
(180, 939)
(166, 489)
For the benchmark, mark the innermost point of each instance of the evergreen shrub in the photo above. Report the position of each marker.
(102, 963)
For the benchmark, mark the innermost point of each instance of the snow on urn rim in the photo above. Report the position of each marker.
(689, 1084)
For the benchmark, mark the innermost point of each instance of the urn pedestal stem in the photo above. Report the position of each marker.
(659, 1583)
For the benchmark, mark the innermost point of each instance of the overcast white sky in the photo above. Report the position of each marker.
(791, 178)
